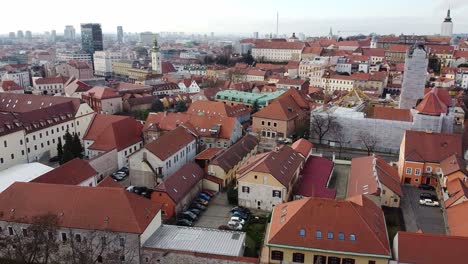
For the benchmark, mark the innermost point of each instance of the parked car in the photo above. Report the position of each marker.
(204, 196)
(235, 225)
(124, 169)
(198, 206)
(184, 222)
(210, 193)
(224, 227)
(201, 201)
(130, 188)
(240, 215)
(238, 219)
(426, 187)
(428, 196)
(119, 175)
(140, 190)
(54, 159)
(240, 209)
(428, 202)
(195, 211)
(188, 215)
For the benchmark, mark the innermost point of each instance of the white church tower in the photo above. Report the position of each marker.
(447, 26)
(156, 62)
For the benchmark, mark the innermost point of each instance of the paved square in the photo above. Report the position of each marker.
(428, 219)
(217, 213)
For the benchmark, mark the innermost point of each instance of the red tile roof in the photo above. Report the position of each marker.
(280, 45)
(394, 114)
(208, 154)
(456, 190)
(217, 109)
(358, 216)
(165, 121)
(167, 67)
(102, 93)
(423, 146)
(303, 147)
(288, 106)
(398, 48)
(418, 248)
(52, 80)
(169, 143)
(9, 85)
(457, 215)
(314, 179)
(108, 181)
(313, 50)
(123, 87)
(89, 208)
(232, 156)
(368, 173)
(181, 182)
(453, 164)
(73, 172)
(431, 104)
(442, 93)
(201, 125)
(111, 131)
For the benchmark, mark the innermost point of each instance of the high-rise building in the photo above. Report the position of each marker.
(91, 38)
(414, 79)
(69, 32)
(447, 26)
(156, 62)
(255, 35)
(12, 35)
(19, 34)
(28, 35)
(53, 35)
(119, 34)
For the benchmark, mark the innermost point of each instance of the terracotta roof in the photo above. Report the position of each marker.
(202, 125)
(78, 207)
(418, 248)
(368, 173)
(257, 73)
(291, 82)
(313, 50)
(181, 182)
(52, 80)
(73, 172)
(442, 93)
(123, 87)
(364, 220)
(460, 54)
(236, 153)
(102, 93)
(394, 114)
(217, 109)
(303, 147)
(398, 48)
(422, 146)
(282, 164)
(280, 45)
(287, 106)
(9, 85)
(348, 43)
(374, 52)
(165, 121)
(111, 131)
(314, 179)
(169, 143)
(76, 86)
(453, 164)
(456, 190)
(108, 181)
(457, 215)
(167, 67)
(431, 104)
(440, 49)
(208, 154)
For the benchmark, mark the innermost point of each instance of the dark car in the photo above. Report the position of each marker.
(209, 193)
(428, 196)
(184, 222)
(204, 196)
(54, 159)
(195, 211)
(241, 215)
(188, 215)
(140, 190)
(240, 209)
(198, 206)
(426, 187)
(124, 169)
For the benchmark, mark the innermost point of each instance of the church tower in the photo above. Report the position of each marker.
(415, 75)
(447, 26)
(156, 62)
(330, 34)
(373, 44)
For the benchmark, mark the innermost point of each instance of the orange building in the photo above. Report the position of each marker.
(421, 154)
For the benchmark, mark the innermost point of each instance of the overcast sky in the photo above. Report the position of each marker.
(312, 17)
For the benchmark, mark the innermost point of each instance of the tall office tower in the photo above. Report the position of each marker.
(119, 34)
(156, 62)
(19, 34)
(255, 35)
(12, 35)
(414, 79)
(447, 26)
(69, 33)
(91, 38)
(53, 36)
(28, 35)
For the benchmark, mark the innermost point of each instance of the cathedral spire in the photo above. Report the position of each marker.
(448, 18)
(155, 45)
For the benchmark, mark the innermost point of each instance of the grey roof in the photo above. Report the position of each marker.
(201, 240)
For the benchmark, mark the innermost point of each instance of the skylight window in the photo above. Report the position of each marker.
(318, 234)
(330, 235)
(352, 237)
(341, 236)
(302, 232)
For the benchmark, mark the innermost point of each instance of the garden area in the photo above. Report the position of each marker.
(255, 231)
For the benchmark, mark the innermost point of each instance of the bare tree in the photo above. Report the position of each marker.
(322, 124)
(340, 137)
(369, 141)
(30, 243)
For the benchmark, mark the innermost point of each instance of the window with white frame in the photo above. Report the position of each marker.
(408, 170)
(417, 171)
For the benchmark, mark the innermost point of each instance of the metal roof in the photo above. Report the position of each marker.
(22, 173)
(194, 239)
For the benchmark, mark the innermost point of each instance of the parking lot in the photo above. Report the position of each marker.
(428, 219)
(217, 213)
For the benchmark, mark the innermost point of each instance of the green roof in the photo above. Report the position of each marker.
(246, 97)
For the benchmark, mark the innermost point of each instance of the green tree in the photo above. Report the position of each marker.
(141, 114)
(157, 106)
(249, 59)
(60, 150)
(77, 147)
(255, 107)
(67, 148)
(181, 106)
(434, 63)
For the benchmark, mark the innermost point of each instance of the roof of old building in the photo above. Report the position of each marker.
(288, 106)
(169, 143)
(111, 131)
(9, 85)
(236, 153)
(165, 121)
(364, 222)
(419, 248)
(314, 179)
(73, 172)
(52, 80)
(432, 104)
(303, 147)
(453, 164)
(78, 207)
(280, 45)
(181, 182)
(388, 113)
(215, 109)
(456, 189)
(456, 216)
(282, 164)
(102, 92)
(424, 146)
(368, 173)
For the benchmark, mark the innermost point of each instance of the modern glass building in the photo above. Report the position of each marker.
(91, 38)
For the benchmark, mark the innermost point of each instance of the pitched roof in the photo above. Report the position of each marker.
(303, 147)
(398, 48)
(78, 207)
(286, 107)
(201, 125)
(453, 164)
(423, 146)
(364, 220)
(456, 216)
(111, 131)
(456, 189)
(369, 173)
(236, 153)
(208, 154)
(102, 93)
(108, 181)
(280, 45)
(210, 108)
(165, 121)
(431, 104)
(9, 85)
(388, 113)
(52, 80)
(314, 179)
(282, 164)
(181, 182)
(419, 248)
(169, 143)
(73, 172)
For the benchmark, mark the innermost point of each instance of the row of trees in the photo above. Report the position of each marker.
(71, 149)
